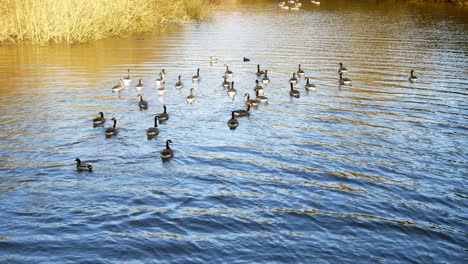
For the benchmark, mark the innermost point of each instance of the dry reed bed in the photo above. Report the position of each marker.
(72, 21)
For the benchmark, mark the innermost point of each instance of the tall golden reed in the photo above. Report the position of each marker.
(71, 21)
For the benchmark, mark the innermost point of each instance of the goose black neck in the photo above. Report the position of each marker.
(101, 114)
(291, 86)
(164, 108)
(232, 85)
(299, 67)
(233, 115)
(179, 78)
(307, 81)
(115, 123)
(258, 67)
(156, 119)
(167, 144)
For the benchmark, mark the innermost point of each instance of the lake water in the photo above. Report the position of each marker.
(375, 172)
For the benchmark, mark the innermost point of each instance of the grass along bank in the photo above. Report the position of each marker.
(72, 21)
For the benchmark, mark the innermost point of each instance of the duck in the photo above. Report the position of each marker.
(261, 98)
(265, 79)
(300, 72)
(242, 112)
(293, 79)
(139, 86)
(344, 81)
(191, 97)
(293, 92)
(167, 153)
(228, 72)
(232, 91)
(342, 68)
(233, 123)
(246, 59)
(153, 131)
(226, 84)
(179, 84)
(110, 131)
(127, 80)
(248, 101)
(309, 86)
(258, 88)
(83, 166)
(259, 72)
(100, 119)
(118, 87)
(412, 77)
(160, 80)
(196, 78)
(142, 104)
(164, 115)
(213, 60)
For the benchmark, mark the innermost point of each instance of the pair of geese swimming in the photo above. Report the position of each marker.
(165, 154)
(233, 123)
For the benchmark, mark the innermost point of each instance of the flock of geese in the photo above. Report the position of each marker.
(262, 78)
(293, 5)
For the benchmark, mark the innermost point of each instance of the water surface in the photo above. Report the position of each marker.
(372, 173)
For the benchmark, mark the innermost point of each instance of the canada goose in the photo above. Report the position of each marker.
(153, 131)
(110, 131)
(164, 115)
(82, 166)
(300, 72)
(163, 74)
(196, 78)
(412, 77)
(162, 90)
(179, 84)
(127, 80)
(293, 79)
(342, 69)
(191, 97)
(315, 2)
(213, 59)
(232, 91)
(99, 120)
(246, 59)
(344, 81)
(248, 101)
(233, 123)
(242, 112)
(160, 80)
(167, 153)
(295, 8)
(226, 84)
(265, 79)
(258, 88)
(228, 72)
(139, 86)
(294, 93)
(309, 86)
(142, 104)
(285, 7)
(118, 87)
(261, 98)
(259, 72)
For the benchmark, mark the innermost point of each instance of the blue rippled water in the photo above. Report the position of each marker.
(372, 173)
